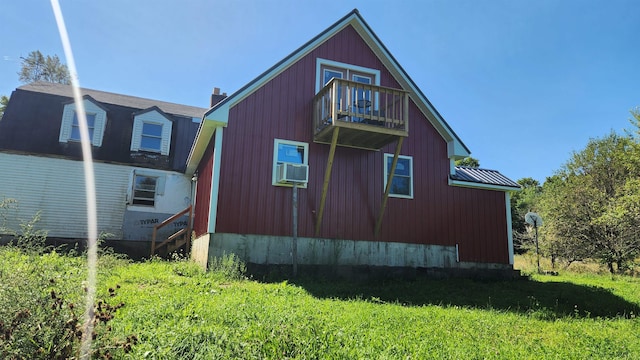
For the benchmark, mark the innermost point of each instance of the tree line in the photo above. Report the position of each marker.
(590, 206)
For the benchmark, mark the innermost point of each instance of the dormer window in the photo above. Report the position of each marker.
(151, 131)
(151, 137)
(96, 122)
(75, 126)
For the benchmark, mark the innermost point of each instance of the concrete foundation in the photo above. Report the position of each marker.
(342, 258)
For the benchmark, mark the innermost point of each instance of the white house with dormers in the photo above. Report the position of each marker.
(139, 148)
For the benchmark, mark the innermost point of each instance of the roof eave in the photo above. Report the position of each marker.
(457, 149)
(485, 186)
(220, 112)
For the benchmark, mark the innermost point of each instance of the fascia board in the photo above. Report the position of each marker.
(456, 145)
(475, 185)
(205, 132)
(456, 150)
(218, 117)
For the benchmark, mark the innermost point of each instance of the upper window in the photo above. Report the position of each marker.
(151, 131)
(151, 137)
(286, 151)
(75, 126)
(402, 182)
(96, 121)
(329, 69)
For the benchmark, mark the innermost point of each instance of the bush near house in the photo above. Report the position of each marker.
(175, 310)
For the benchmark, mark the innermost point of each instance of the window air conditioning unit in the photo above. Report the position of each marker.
(288, 173)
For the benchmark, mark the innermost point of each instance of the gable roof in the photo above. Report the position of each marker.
(88, 98)
(116, 99)
(151, 109)
(490, 178)
(218, 115)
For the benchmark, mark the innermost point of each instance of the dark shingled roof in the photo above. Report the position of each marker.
(116, 99)
(31, 124)
(483, 176)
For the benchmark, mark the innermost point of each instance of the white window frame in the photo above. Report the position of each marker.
(151, 117)
(159, 190)
(91, 108)
(305, 160)
(90, 128)
(386, 158)
(321, 63)
(133, 191)
(143, 135)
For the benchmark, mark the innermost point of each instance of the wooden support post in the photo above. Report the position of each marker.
(188, 234)
(327, 176)
(153, 241)
(387, 189)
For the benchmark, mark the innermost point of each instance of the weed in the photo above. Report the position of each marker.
(229, 266)
(41, 307)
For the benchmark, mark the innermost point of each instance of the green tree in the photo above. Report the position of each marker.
(591, 207)
(522, 202)
(36, 67)
(4, 101)
(469, 162)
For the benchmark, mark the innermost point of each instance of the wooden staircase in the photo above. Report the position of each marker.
(175, 241)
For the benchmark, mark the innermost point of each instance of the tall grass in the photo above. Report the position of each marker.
(176, 311)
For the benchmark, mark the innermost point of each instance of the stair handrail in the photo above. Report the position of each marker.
(169, 221)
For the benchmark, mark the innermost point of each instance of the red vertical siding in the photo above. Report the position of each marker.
(203, 191)
(438, 214)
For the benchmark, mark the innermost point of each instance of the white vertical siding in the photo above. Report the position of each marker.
(56, 188)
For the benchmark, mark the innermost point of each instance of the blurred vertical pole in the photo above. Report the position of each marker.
(89, 180)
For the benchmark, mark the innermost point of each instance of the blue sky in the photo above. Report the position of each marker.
(523, 83)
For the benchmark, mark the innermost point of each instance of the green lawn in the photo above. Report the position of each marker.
(177, 311)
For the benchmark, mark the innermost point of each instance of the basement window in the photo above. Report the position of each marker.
(402, 182)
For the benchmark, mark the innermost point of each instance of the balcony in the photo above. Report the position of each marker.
(364, 116)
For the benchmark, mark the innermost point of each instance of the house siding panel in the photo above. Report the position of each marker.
(438, 214)
(203, 191)
(56, 188)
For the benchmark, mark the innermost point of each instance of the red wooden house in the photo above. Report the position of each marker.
(332, 123)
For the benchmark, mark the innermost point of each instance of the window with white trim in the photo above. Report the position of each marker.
(353, 98)
(402, 182)
(144, 190)
(151, 132)
(75, 126)
(287, 151)
(328, 69)
(96, 122)
(151, 137)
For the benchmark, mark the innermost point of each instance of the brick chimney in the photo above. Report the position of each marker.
(216, 97)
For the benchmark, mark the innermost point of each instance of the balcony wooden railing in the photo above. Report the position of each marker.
(177, 239)
(369, 116)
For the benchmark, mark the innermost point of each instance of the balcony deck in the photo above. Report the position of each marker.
(366, 116)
